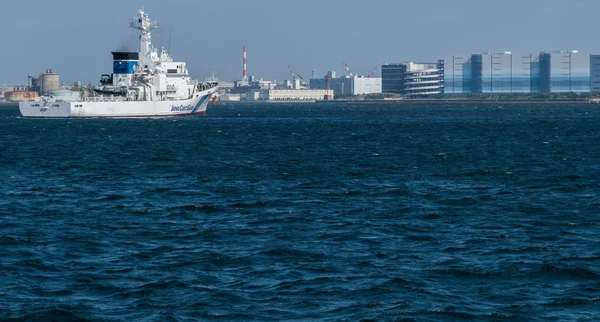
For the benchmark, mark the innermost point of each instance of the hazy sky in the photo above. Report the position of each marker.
(75, 37)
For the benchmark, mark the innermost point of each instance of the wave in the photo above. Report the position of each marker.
(432, 216)
(11, 241)
(470, 273)
(293, 254)
(426, 238)
(252, 204)
(49, 316)
(111, 197)
(208, 208)
(569, 272)
(572, 301)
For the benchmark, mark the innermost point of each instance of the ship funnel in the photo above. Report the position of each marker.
(124, 62)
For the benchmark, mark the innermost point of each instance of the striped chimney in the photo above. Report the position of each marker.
(244, 62)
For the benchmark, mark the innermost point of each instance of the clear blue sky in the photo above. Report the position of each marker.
(75, 37)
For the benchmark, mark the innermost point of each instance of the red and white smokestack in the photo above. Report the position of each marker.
(244, 62)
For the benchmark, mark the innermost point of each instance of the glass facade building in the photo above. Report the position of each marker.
(560, 72)
(458, 75)
(544, 73)
(595, 73)
(521, 73)
(534, 81)
(554, 72)
(392, 78)
(501, 73)
(424, 79)
(495, 71)
(579, 68)
(413, 79)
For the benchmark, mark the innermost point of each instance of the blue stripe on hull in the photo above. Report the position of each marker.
(200, 103)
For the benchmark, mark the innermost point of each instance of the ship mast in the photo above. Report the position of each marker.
(143, 24)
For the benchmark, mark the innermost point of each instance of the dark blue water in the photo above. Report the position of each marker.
(303, 212)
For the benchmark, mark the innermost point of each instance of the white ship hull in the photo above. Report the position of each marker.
(118, 108)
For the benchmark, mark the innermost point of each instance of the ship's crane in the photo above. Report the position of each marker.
(294, 76)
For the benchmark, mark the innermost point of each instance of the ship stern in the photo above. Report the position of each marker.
(45, 109)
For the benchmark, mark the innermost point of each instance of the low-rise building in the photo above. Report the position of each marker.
(366, 85)
(253, 95)
(230, 97)
(295, 94)
(349, 85)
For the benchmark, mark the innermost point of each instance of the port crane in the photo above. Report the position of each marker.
(348, 70)
(294, 76)
(373, 72)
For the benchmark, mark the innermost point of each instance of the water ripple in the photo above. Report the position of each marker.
(303, 212)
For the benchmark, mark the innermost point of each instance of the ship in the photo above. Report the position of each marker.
(143, 84)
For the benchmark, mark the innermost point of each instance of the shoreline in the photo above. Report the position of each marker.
(434, 101)
(443, 101)
(431, 101)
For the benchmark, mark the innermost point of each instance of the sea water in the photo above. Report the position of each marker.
(303, 212)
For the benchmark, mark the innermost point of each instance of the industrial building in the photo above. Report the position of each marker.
(290, 84)
(365, 85)
(17, 93)
(505, 72)
(352, 85)
(230, 97)
(247, 84)
(457, 75)
(340, 86)
(279, 95)
(254, 95)
(502, 73)
(46, 82)
(20, 96)
(295, 94)
(49, 81)
(569, 72)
